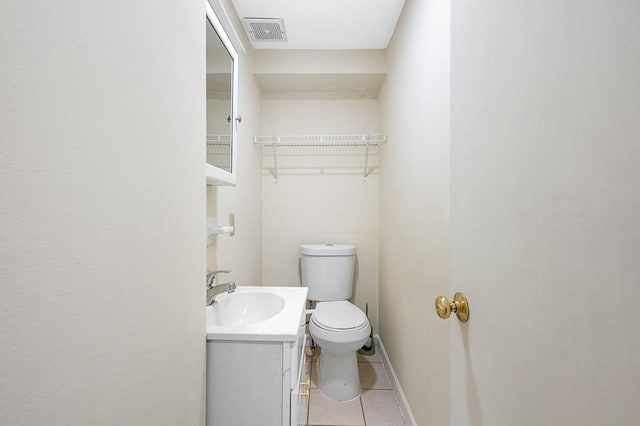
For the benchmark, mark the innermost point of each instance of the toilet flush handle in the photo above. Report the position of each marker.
(459, 306)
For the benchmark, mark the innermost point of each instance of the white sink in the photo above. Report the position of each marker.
(245, 307)
(257, 313)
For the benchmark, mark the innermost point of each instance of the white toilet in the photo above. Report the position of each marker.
(337, 326)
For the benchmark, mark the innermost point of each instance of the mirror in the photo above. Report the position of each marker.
(221, 105)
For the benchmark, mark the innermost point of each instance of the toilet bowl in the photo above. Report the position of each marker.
(337, 326)
(340, 329)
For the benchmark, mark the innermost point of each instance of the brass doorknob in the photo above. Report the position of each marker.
(459, 306)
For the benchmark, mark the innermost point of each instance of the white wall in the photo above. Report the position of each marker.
(414, 207)
(242, 253)
(545, 223)
(102, 213)
(318, 208)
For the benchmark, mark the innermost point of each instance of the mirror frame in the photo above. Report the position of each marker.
(215, 175)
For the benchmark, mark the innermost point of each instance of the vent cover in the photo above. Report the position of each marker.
(265, 29)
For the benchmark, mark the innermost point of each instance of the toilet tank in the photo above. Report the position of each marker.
(327, 270)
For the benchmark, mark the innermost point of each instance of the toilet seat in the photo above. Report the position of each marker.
(339, 316)
(349, 325)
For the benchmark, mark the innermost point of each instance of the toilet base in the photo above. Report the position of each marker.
(338, 375)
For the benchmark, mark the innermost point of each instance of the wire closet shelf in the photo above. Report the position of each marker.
(337, 151)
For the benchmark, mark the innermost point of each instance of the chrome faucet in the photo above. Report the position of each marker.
(214, 290)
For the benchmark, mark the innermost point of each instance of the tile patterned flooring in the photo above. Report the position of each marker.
(376, 406)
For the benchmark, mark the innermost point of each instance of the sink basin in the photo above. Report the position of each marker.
(257, 313)
(245, 308)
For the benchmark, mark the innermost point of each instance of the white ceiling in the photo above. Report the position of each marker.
(327, 24)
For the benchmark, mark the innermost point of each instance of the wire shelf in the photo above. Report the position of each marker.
(339, 153)
(321, 140)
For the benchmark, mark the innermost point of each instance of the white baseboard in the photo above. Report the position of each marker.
(397, 388)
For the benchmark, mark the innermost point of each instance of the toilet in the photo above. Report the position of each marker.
(337, 326)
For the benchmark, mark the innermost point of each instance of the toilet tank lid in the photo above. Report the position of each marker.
(328, 249)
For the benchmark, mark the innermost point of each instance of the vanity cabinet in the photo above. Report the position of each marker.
(262, 383)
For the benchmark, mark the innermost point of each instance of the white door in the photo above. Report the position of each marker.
(545, 212)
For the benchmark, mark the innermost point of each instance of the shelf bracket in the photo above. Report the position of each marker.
(275, 161)
(366, 157)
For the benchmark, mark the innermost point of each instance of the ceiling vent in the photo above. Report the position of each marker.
(265, 29)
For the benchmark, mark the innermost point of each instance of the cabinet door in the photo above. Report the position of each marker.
(245, 382)
(222, 105)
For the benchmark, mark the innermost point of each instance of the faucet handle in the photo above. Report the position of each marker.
(211, 276)
(221, 271)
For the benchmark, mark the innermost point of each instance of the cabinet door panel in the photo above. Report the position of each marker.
(242, 375)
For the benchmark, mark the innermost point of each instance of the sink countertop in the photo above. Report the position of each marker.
(282, 327)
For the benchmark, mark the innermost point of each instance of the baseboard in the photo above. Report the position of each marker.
(397, 388)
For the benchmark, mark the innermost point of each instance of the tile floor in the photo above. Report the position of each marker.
(376, 406)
